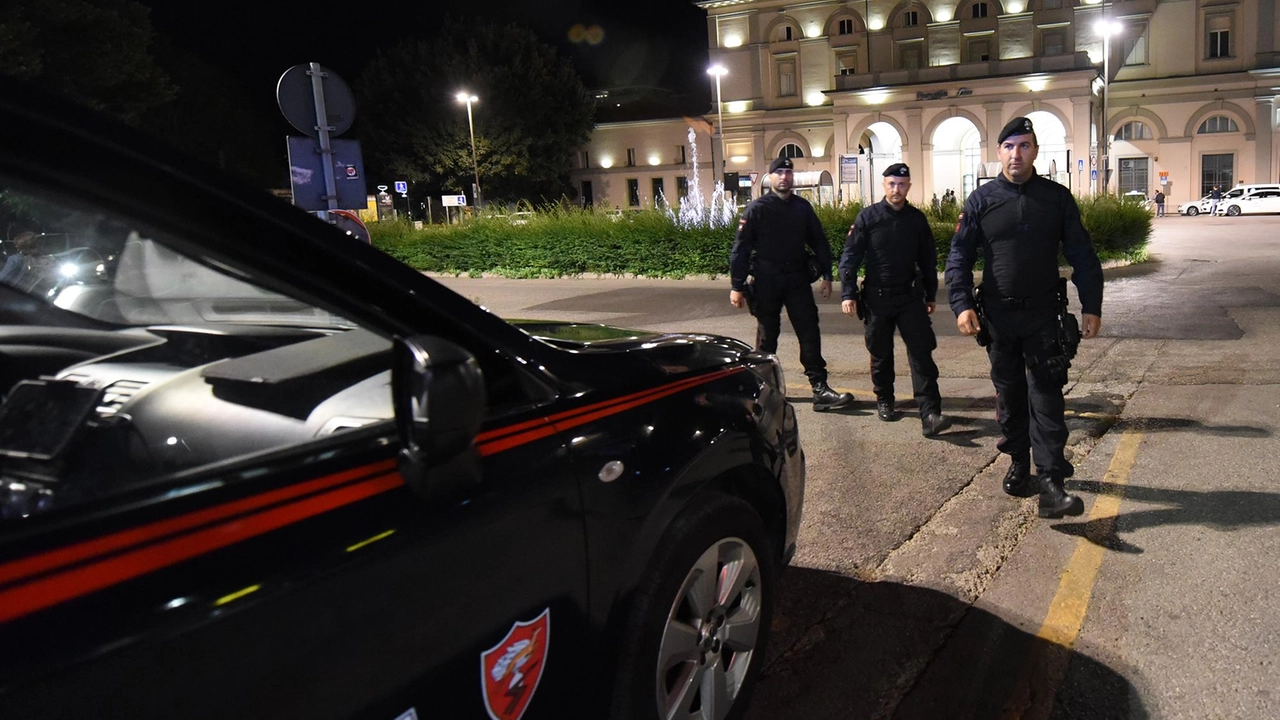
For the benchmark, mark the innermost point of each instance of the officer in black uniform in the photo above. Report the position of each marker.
(773, 233)
(900, 292)
(1020, 222)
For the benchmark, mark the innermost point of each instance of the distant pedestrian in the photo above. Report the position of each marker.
(1159, 203)
(1215, 195)
(900, 292)
(935, 205)
(775, 234)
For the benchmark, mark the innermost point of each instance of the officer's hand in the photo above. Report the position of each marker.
(1089, 328)
(825, 289)
(967, 323)
(849, 307)
(929, 307)
(737, 299)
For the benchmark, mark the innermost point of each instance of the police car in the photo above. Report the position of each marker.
(259, 469)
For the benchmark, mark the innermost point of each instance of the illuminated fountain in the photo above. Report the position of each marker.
(693, 211)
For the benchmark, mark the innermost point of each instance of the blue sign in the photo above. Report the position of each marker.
(1080, 165)
(402, 186)
(1093, 174)
(848, 168)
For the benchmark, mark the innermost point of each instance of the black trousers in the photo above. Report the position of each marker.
(792, 291)
(905, 313)
(1029, 403)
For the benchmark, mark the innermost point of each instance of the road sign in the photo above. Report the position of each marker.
(848, 168)
(1093, 174)
(402, 186)
(1080, 165)
(309, 178)
(297, 94)
(1093, 161)
(383, 188)
(453, 200)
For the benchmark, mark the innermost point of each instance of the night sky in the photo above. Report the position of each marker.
(660, 43)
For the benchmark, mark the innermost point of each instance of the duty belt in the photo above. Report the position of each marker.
(889, 290)
(779, 268)
(1045, 300)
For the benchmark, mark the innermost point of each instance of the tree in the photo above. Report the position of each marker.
(533, 110)
(92, 51)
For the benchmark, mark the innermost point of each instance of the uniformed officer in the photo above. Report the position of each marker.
(1020, 222)
(773, 233)
(900, 292)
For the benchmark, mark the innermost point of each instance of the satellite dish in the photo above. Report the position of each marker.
(297, 100)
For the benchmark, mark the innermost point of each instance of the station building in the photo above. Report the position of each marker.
(1131, 95)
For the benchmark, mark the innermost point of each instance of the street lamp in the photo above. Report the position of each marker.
(1106, 28)
(719, 71)
(468, 98)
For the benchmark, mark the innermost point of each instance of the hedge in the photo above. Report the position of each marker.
(556, 242)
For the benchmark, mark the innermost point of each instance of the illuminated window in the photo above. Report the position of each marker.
(791, 150)
(1218, 124)
(1133, 131)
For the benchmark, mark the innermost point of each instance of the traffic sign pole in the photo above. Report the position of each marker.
(322, 128)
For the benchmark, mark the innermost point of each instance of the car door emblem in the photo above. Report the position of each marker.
(510, 670)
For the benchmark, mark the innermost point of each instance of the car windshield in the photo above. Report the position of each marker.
(111, 272)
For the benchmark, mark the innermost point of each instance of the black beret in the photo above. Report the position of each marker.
(1016, 126)
(781, 163)
(897, 170)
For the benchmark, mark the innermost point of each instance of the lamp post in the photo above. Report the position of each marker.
(468, 98)
(719, 71)
(1106, 28)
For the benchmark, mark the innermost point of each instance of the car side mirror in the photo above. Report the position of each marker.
(439, 398)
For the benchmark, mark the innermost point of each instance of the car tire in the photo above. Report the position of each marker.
(1233, 211)
(698, 625)
(1193, 211)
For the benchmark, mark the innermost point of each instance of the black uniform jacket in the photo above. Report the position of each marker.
(1020, 230)
(777, 231)
(896, 244)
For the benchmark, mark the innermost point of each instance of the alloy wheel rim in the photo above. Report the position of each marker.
(711, 634)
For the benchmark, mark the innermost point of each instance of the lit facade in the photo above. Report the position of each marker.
(849, 87)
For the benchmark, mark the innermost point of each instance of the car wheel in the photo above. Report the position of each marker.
(1234, 210)
(695, 638)
(1193, 211)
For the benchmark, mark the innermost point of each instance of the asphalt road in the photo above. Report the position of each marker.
(921, 591)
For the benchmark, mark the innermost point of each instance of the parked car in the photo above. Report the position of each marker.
(260, 469)
(1256, 201)
(1195, 207)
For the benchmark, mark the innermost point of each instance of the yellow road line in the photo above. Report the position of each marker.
(236, 595)
(1066, 612)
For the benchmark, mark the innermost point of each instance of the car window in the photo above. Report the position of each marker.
(128, 361)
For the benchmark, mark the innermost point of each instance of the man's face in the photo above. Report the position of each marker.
(895, 190)
(783, 179)
(1017, 157)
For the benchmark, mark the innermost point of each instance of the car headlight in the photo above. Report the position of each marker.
(68, 270)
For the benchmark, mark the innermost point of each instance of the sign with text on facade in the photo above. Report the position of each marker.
(453, 200)
(848, 168)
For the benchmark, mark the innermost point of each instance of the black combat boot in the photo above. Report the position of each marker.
(1055, 501)
(934, 423)
(824, 398)
(1017, 482)
(884, 409)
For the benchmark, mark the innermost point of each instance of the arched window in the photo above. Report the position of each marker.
(979, 10)
(1133, 130)
(910, 18)
(791, 150)
(846, 26)
(786, 32)
(1218, 124)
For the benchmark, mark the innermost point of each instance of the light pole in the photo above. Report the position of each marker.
(719, 71)
(468, 98)
(1106, 28)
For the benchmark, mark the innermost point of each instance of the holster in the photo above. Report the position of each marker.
(1068, 325)
(984, 333)
(751, 298)
(861, 306)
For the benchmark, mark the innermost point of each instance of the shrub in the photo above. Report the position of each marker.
(558, 241)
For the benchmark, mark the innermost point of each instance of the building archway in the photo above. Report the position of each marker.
(1051, 136)
(957, 157)
(879, 146)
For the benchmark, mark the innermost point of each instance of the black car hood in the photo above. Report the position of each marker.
(670, 351)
